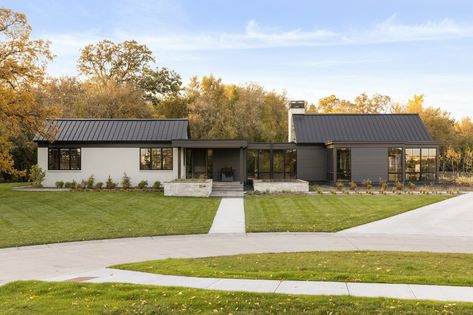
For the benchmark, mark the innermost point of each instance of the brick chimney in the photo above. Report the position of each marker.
(295, 107)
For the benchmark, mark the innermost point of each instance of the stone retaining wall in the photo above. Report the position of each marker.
(281, 186)
(188, 188)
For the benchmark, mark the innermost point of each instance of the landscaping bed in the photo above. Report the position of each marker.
(326, 213)
(28, 297)
(346, 266)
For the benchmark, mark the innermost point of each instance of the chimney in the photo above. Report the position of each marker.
(295, 107)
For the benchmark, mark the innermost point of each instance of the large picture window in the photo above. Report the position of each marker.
(156, 159)
(64, 159)
(278, 164)
(421, 164)
(394, 164)
(344, 164)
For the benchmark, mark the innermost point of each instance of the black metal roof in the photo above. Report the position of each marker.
(117, 130)
(322, 128)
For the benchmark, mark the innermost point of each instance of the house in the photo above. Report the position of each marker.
(321, 148)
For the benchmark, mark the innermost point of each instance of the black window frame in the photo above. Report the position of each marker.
(345, 173)
(58, 166)
(398, 174)
(256, 159)
(420, 176)
(161, 158)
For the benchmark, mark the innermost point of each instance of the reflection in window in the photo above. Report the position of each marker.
(421, 164)
(64, 159)
(343, 164)
(394, 164)
(281, 164)
(156, 159)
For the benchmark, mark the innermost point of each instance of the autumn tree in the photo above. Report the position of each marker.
(362, 104)
(128, 63)
(22, 69)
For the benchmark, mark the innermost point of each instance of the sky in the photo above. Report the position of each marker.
(307, 49)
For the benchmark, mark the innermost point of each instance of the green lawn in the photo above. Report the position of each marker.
(73, 298)
(46, 217)
(350, 266)
(325, 213)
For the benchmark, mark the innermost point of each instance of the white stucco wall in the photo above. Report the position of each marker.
(102, 162)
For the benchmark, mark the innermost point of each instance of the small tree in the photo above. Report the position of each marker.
(110, 184)
(126, 182)
(37, 176)
(90, 182)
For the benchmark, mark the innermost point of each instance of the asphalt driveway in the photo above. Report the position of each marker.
(452, 217)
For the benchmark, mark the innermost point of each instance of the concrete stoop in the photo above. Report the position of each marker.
(227, 189)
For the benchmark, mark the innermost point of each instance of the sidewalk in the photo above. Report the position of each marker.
(230, 217)
(398, 291)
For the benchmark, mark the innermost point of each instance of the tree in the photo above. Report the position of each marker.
(128, 63)
(22, 67)
(362, 104)
(248, 112)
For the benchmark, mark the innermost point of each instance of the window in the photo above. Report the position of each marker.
(343, 164)
(64, 159)
(156, 159)
(428, 164)
(275, 164)
(394, 164)
(413, 164)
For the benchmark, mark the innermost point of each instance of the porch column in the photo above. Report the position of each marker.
(334, 165)
(242, 171)
(179, 163)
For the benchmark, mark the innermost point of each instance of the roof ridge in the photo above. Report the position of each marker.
(120, 119)
(357, 114)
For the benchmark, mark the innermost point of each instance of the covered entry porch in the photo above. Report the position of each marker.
(220, 160)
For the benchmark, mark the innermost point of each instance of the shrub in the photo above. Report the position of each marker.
(37, 176)
(98, 185)
(157, 185)
(399, 186)
(383, 185)
(59, 184)
(339, 185)
(352, 185)
(368, 184)
(143, 184)
(110, 184)
(126, 182)
(68, 185)
(411, 186)
(90, 182)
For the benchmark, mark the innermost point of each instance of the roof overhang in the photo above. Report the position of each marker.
(332, 144)
(210, 144)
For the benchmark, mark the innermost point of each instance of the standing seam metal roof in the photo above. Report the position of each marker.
(117, 130)
(322, 128)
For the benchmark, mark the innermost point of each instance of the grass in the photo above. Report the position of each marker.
(325, 213)
(349, 266)
(80, 298)
(28, 218)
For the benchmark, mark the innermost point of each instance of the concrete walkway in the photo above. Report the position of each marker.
(47, 261)
(400, 291)
(451, 217)
(230, 217)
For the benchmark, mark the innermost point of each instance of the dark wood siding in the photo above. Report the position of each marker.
(369, 163)
(312, 163)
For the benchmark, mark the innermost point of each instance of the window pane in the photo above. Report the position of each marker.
(167, 158)
(344, 164)
(251, 164)
(75, 159)
(394, 160)
(278, 164)
(290, 166)
(264, 164)
(64, 159)
(394, 177)
(412, 160)
(156, 158)
(53, 159)
(145, 159)
(428, 160)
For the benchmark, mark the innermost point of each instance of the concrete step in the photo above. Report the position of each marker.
(227, 194)
(227, 188)
(227, 184)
